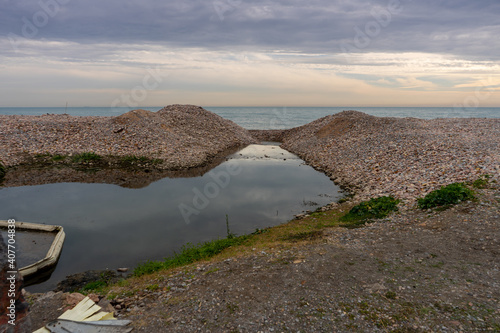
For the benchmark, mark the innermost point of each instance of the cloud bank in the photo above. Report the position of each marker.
(235, 52)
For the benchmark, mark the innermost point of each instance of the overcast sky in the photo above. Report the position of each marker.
(250, 53)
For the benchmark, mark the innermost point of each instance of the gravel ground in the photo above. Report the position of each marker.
(416, 271)
(183, 136)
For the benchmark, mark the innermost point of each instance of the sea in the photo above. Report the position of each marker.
(275, 117)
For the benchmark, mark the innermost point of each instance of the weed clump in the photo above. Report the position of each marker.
(105, 279)
(132, 159)
(189, 254)
(58, 157)
(86, 157)
(376, 208)
(446, 196)
(482, 182)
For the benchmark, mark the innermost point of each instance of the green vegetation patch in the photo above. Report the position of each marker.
(105, 280)
(482, 182)
(446, 196)
(58, 157)
(189, 254)
(86, 157)
(376, 208)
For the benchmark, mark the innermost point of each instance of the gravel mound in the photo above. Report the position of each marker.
(403, 157)
(183, 136)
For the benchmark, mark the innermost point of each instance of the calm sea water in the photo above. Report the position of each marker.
(277, 118)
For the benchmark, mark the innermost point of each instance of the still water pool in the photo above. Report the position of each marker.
(108, 226)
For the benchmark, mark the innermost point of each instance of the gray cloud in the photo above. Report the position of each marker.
(457, 27)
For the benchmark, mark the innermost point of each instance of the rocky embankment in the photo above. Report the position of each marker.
(177, 137)
(403, 157)
(182, 136)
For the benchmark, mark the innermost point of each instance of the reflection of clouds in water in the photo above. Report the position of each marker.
(111, 226)
(268, 152)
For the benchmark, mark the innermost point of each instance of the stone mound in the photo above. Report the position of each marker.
(176, 137)
(135, 116)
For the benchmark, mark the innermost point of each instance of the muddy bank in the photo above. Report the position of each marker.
(175, 137)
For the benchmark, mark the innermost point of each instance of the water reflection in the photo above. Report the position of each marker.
(108, 226)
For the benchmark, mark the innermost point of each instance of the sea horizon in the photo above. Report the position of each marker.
(253, 117)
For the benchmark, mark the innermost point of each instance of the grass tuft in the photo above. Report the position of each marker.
(482, 182)
(446, 196)
(58, 157)
(99, 285)
(189, 254)
(86, 157)
(376, 208)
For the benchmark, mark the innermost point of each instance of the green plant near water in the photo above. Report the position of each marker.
(86, 157)
(230, 235)
(94, 286)
(446, 196)
(376, 208)
(189, 254)
(104, 281)
(58, 157)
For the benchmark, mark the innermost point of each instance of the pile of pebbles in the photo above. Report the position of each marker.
(403, 157)
(183, 136)
(370, 156)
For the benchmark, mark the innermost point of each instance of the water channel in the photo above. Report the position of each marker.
(108, 226)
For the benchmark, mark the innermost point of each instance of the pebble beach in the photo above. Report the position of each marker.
(403, 157)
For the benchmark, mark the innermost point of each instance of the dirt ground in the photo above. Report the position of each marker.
(415, 271)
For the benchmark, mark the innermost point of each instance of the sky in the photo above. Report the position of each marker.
(250, 53)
